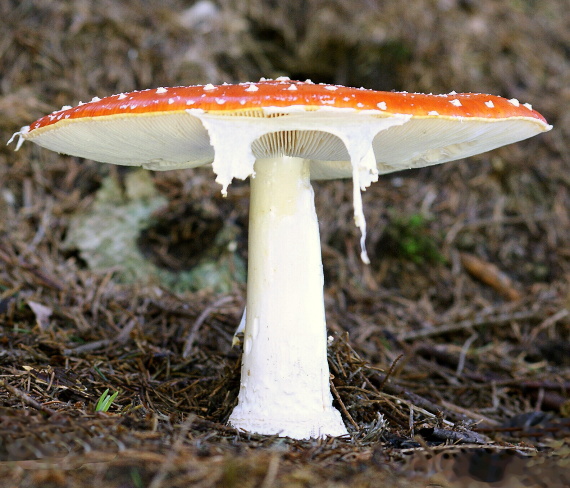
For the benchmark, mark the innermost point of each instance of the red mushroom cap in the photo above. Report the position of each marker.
(245, 97)
(335, 127)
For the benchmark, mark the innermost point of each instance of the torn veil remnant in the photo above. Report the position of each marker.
(282, 134)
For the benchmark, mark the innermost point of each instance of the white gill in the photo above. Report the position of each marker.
(232, 138)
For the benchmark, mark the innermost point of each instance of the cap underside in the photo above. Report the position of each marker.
(174, 140)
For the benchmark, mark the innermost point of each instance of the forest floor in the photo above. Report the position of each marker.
(451, 351)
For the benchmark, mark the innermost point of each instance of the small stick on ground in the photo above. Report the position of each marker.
(200, 320)
(342, 407)
(27, 399)
(389, 373)
(469, 324)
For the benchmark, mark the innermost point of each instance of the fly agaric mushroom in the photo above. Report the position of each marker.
(282, 134)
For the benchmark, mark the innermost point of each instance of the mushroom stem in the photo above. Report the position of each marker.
(284, 386)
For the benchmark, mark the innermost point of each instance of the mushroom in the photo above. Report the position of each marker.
(282, 134)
